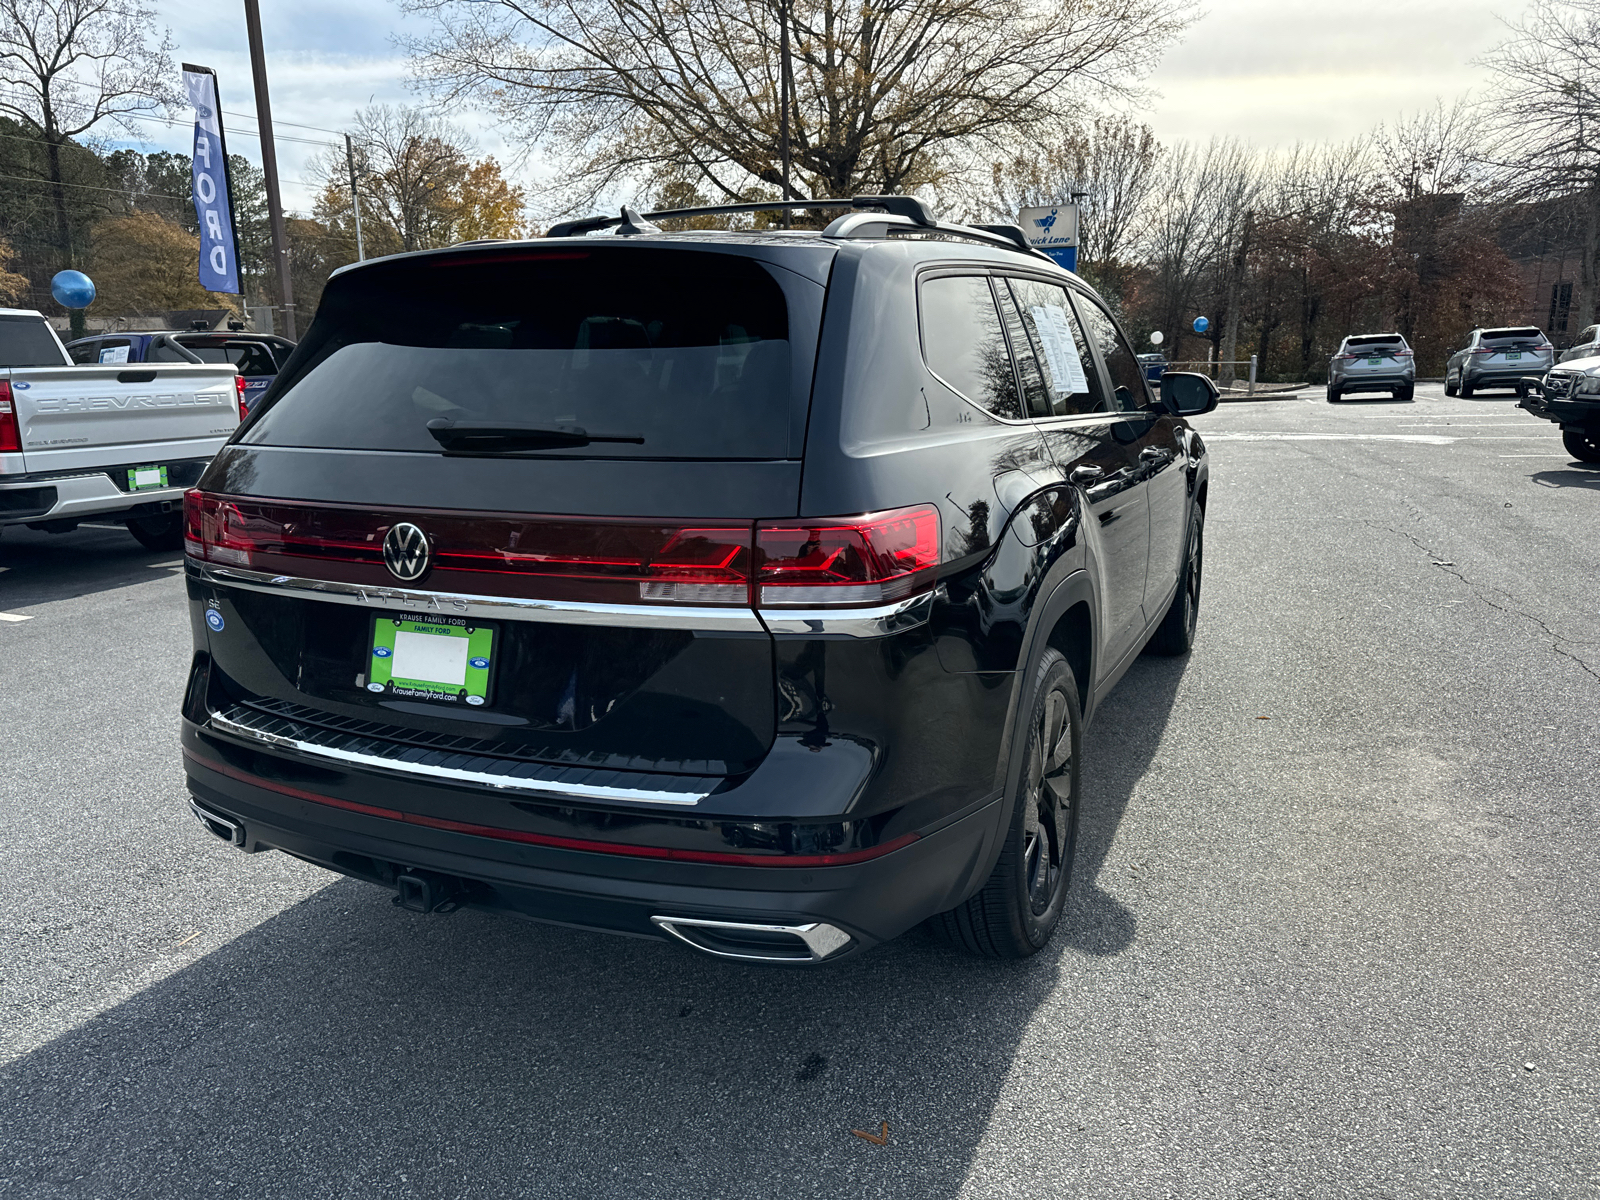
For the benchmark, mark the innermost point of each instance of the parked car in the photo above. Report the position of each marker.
(1587, 345)
(1569, 395)
(1498, 358)
(109, 442)
(1154, 365)
(1372, 362)
(258, 356)
(748, 590)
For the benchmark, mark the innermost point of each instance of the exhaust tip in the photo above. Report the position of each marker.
(751, 942)
(224, 829)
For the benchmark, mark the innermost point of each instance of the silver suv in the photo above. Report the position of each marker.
(1503, 358)
(1372, 362)
(1587, 346)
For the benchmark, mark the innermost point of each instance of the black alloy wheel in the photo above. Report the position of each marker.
(1019, 906)
(157, 533)
(1175, 634)
(1582, 445)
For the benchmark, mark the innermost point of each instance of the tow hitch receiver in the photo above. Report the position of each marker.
(425, 892)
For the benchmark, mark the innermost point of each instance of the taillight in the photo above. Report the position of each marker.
(1484, 350)
(1402, 353)
(871, 559)
(10, 431)
(238, 387)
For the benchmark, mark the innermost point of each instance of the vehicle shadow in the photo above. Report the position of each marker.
(41, 567)
(1372, 399)
(1118, 751)
(1578, 475)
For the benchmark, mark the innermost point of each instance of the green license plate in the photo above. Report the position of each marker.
(1374, 362)
(447, 659)
(1515, 354)
(142, 478)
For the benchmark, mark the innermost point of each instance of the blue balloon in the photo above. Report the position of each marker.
(1201, 324)
(72, 289)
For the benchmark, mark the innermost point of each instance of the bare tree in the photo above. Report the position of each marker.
(411, 165)
(1108, 161)
(67, 66)
(1543, 114)
(885, 93)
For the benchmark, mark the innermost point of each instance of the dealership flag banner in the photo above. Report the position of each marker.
(213, 205)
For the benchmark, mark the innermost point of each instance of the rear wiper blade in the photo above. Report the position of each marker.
(486, 437)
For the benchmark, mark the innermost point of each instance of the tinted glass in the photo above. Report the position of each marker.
(1512, 338)
(27, 342)
(1127, 392)
(1375, 341)
(252, 358)
(688, 351)
(964, 344)
(84, 352)
(1059, 342)
(114, 350)
(164, 352)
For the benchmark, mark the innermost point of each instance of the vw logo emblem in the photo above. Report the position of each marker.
(405, 552)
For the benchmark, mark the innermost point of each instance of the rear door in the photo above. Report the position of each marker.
(1094, 445)
(581, 436)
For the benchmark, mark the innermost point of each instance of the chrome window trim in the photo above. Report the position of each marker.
(502, 608)
(542, 787)
(855, 623)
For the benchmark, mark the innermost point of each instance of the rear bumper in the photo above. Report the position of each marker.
(871, 900)
(1504, 378)
(80, 496)
(1375, 382)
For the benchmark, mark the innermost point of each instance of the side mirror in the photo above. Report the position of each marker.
(1189, 393)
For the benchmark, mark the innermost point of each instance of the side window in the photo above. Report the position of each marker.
(113, 350)
(964, 345)
(1058, 341)
(1126, 385)
(84, 353)
(1035, 398)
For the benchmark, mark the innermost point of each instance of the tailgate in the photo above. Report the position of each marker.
(72, 418)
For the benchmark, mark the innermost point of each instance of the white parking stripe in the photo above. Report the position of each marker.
(14, 617)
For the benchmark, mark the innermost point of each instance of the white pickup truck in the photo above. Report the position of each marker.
(113, 442)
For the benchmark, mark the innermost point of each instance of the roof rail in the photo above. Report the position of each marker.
(909, 208)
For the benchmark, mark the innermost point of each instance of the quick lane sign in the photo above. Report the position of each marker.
(213, 202)
(1053, 230)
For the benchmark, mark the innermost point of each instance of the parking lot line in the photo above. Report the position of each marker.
(15, 617)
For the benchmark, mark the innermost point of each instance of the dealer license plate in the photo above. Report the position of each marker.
(1514, 354)
(1374, 362)
(447, 659)
(142, 478)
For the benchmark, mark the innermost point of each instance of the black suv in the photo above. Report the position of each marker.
(749, 589)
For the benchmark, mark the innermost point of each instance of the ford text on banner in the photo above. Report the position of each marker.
(219, 256)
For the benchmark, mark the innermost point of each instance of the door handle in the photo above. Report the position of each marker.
(1086, 476)
(1155, 454)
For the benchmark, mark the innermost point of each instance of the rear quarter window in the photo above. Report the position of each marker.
(28, 342)
(964, 344)
(700, 355)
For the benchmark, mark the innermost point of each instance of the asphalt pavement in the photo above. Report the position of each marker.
(1332, 933)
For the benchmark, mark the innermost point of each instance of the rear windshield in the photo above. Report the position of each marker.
(1512, 337)
(1375, 341)
(252, 358)
(688, 353)
(27, 342)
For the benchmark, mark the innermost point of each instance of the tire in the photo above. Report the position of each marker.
(1583, 446)
(1019, 906)
(1175, 634)
(1464, 389)
(1405, 393)
(1333, 395)
(157, 533)
(1449, 388)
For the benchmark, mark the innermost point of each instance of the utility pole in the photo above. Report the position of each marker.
(783, 99)
(355, 198)
(269, 163)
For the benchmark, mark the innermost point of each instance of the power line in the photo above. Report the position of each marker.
(242, 131)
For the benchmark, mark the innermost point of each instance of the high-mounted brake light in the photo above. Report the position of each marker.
(10, 431)
(872, 559)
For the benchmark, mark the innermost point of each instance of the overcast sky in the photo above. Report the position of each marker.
(1270, 71)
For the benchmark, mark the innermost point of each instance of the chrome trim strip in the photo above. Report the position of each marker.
(819, 938)
(542, 787)
(856, 623)
(502, 608)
